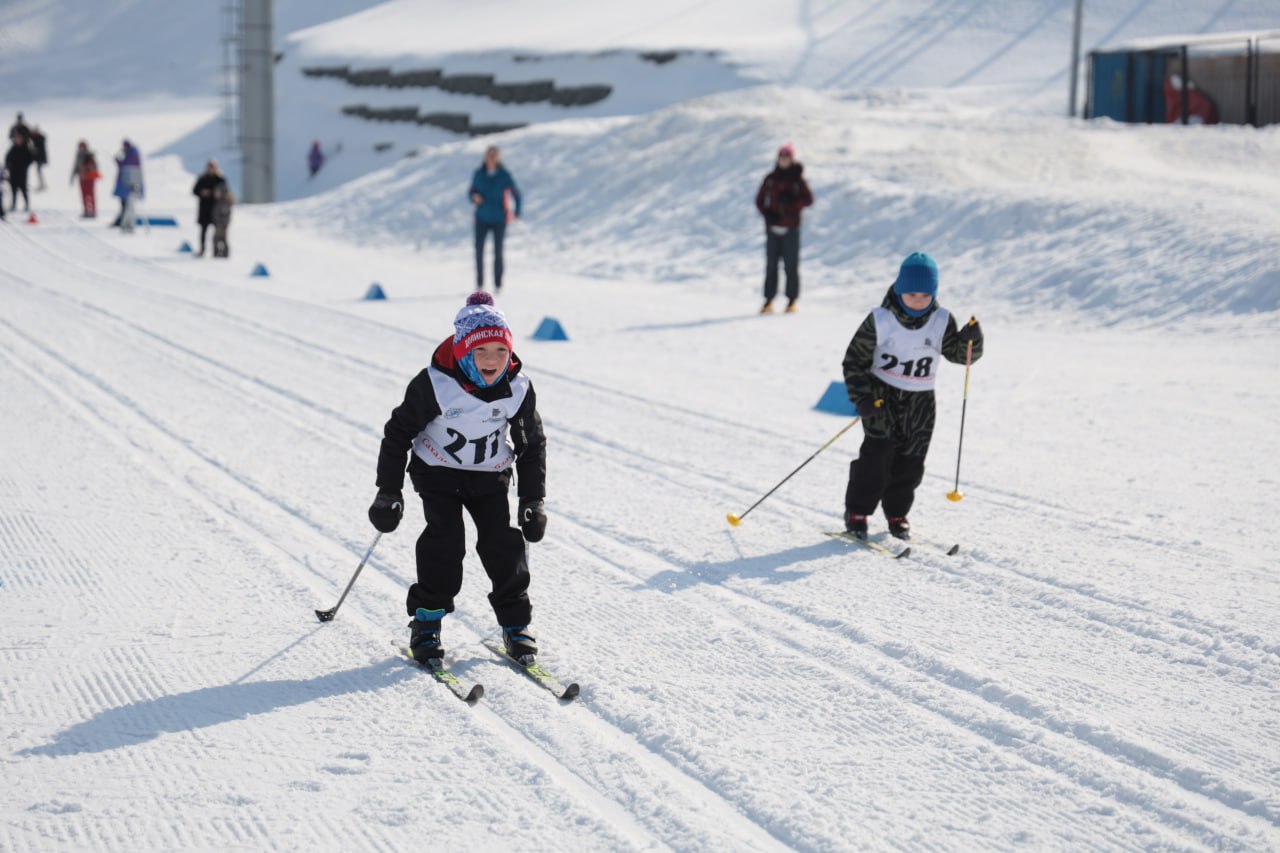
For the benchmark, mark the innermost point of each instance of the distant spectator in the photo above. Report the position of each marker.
(782, 197)
(16, 162)
(315, 158)
(497, 200)
(129, 186)
(21, 125)
(209, 188)
(222, 202)
(86, 170)
(41, 153)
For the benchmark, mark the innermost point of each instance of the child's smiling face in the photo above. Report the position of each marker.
(491, 360)
(916, 301)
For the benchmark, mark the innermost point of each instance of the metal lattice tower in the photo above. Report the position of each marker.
(229, 77)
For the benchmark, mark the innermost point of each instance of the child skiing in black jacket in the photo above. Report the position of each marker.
(470, 417)
(889, 372)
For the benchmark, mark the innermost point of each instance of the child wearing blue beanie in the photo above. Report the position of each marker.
(889, 371)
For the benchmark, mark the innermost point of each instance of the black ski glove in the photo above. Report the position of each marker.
(386, 510)
(871, 412)
(971, 332)
(533, 519)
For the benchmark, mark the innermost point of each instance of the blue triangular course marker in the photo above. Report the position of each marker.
(550, 330)
(156, 220)
(836, 401)
(375, 292)
(259, 270)
(185, 247)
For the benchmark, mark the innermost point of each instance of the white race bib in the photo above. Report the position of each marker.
(908, 358)
(469, 433)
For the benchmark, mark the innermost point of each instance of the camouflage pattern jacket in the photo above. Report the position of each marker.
(907, 417)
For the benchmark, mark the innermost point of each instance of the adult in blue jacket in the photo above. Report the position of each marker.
(128, 181)
(495, 196)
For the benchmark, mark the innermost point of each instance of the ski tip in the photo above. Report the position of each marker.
(905, 552)
(475, 694)
(325, 615)
(953, 550)
(570, 692)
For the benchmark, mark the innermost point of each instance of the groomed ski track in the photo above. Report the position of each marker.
(238, 430)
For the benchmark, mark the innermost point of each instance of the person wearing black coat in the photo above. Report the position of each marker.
(16, 162)
(469, 421)
(40, 154)
(209, 187)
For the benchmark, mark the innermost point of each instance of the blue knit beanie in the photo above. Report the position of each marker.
(918, 274)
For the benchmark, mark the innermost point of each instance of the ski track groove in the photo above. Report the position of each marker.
(647, 461)
(1110, 612)
(105, 692)
(1111, 747)
(1024, 503)
(756, 837)
(951, 680)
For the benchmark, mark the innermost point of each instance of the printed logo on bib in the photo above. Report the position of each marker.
(453, 413)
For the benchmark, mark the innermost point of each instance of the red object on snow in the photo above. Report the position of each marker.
(31, 219)
(1200, 107)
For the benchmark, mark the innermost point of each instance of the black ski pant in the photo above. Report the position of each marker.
(16, 187)
(204, 229)
(442, 545)
(785, 248)
(499, 230)
(883, 475)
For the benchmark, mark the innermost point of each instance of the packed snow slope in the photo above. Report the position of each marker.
(189, 451)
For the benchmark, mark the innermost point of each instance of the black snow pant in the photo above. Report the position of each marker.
(16, 187)
(204, 229)
(445, 492)
(784, 247)
(499, 230)
(882, 475)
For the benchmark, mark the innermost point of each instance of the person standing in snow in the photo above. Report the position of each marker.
(129, 186)
(86, 170)
(496, 199)
(208, 188)
(16, 162)
(223, 199)
(40, 155)
(782, 196)
(469, 418)
(315, 158)
(889, 372)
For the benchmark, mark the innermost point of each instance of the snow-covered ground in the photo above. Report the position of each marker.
(188, 453)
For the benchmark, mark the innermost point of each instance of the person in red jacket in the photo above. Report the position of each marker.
(782, 197)
(86, 171)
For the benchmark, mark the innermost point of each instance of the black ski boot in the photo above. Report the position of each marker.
(519, 643)
(424, 635)
(856, 524)
(900, 528)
